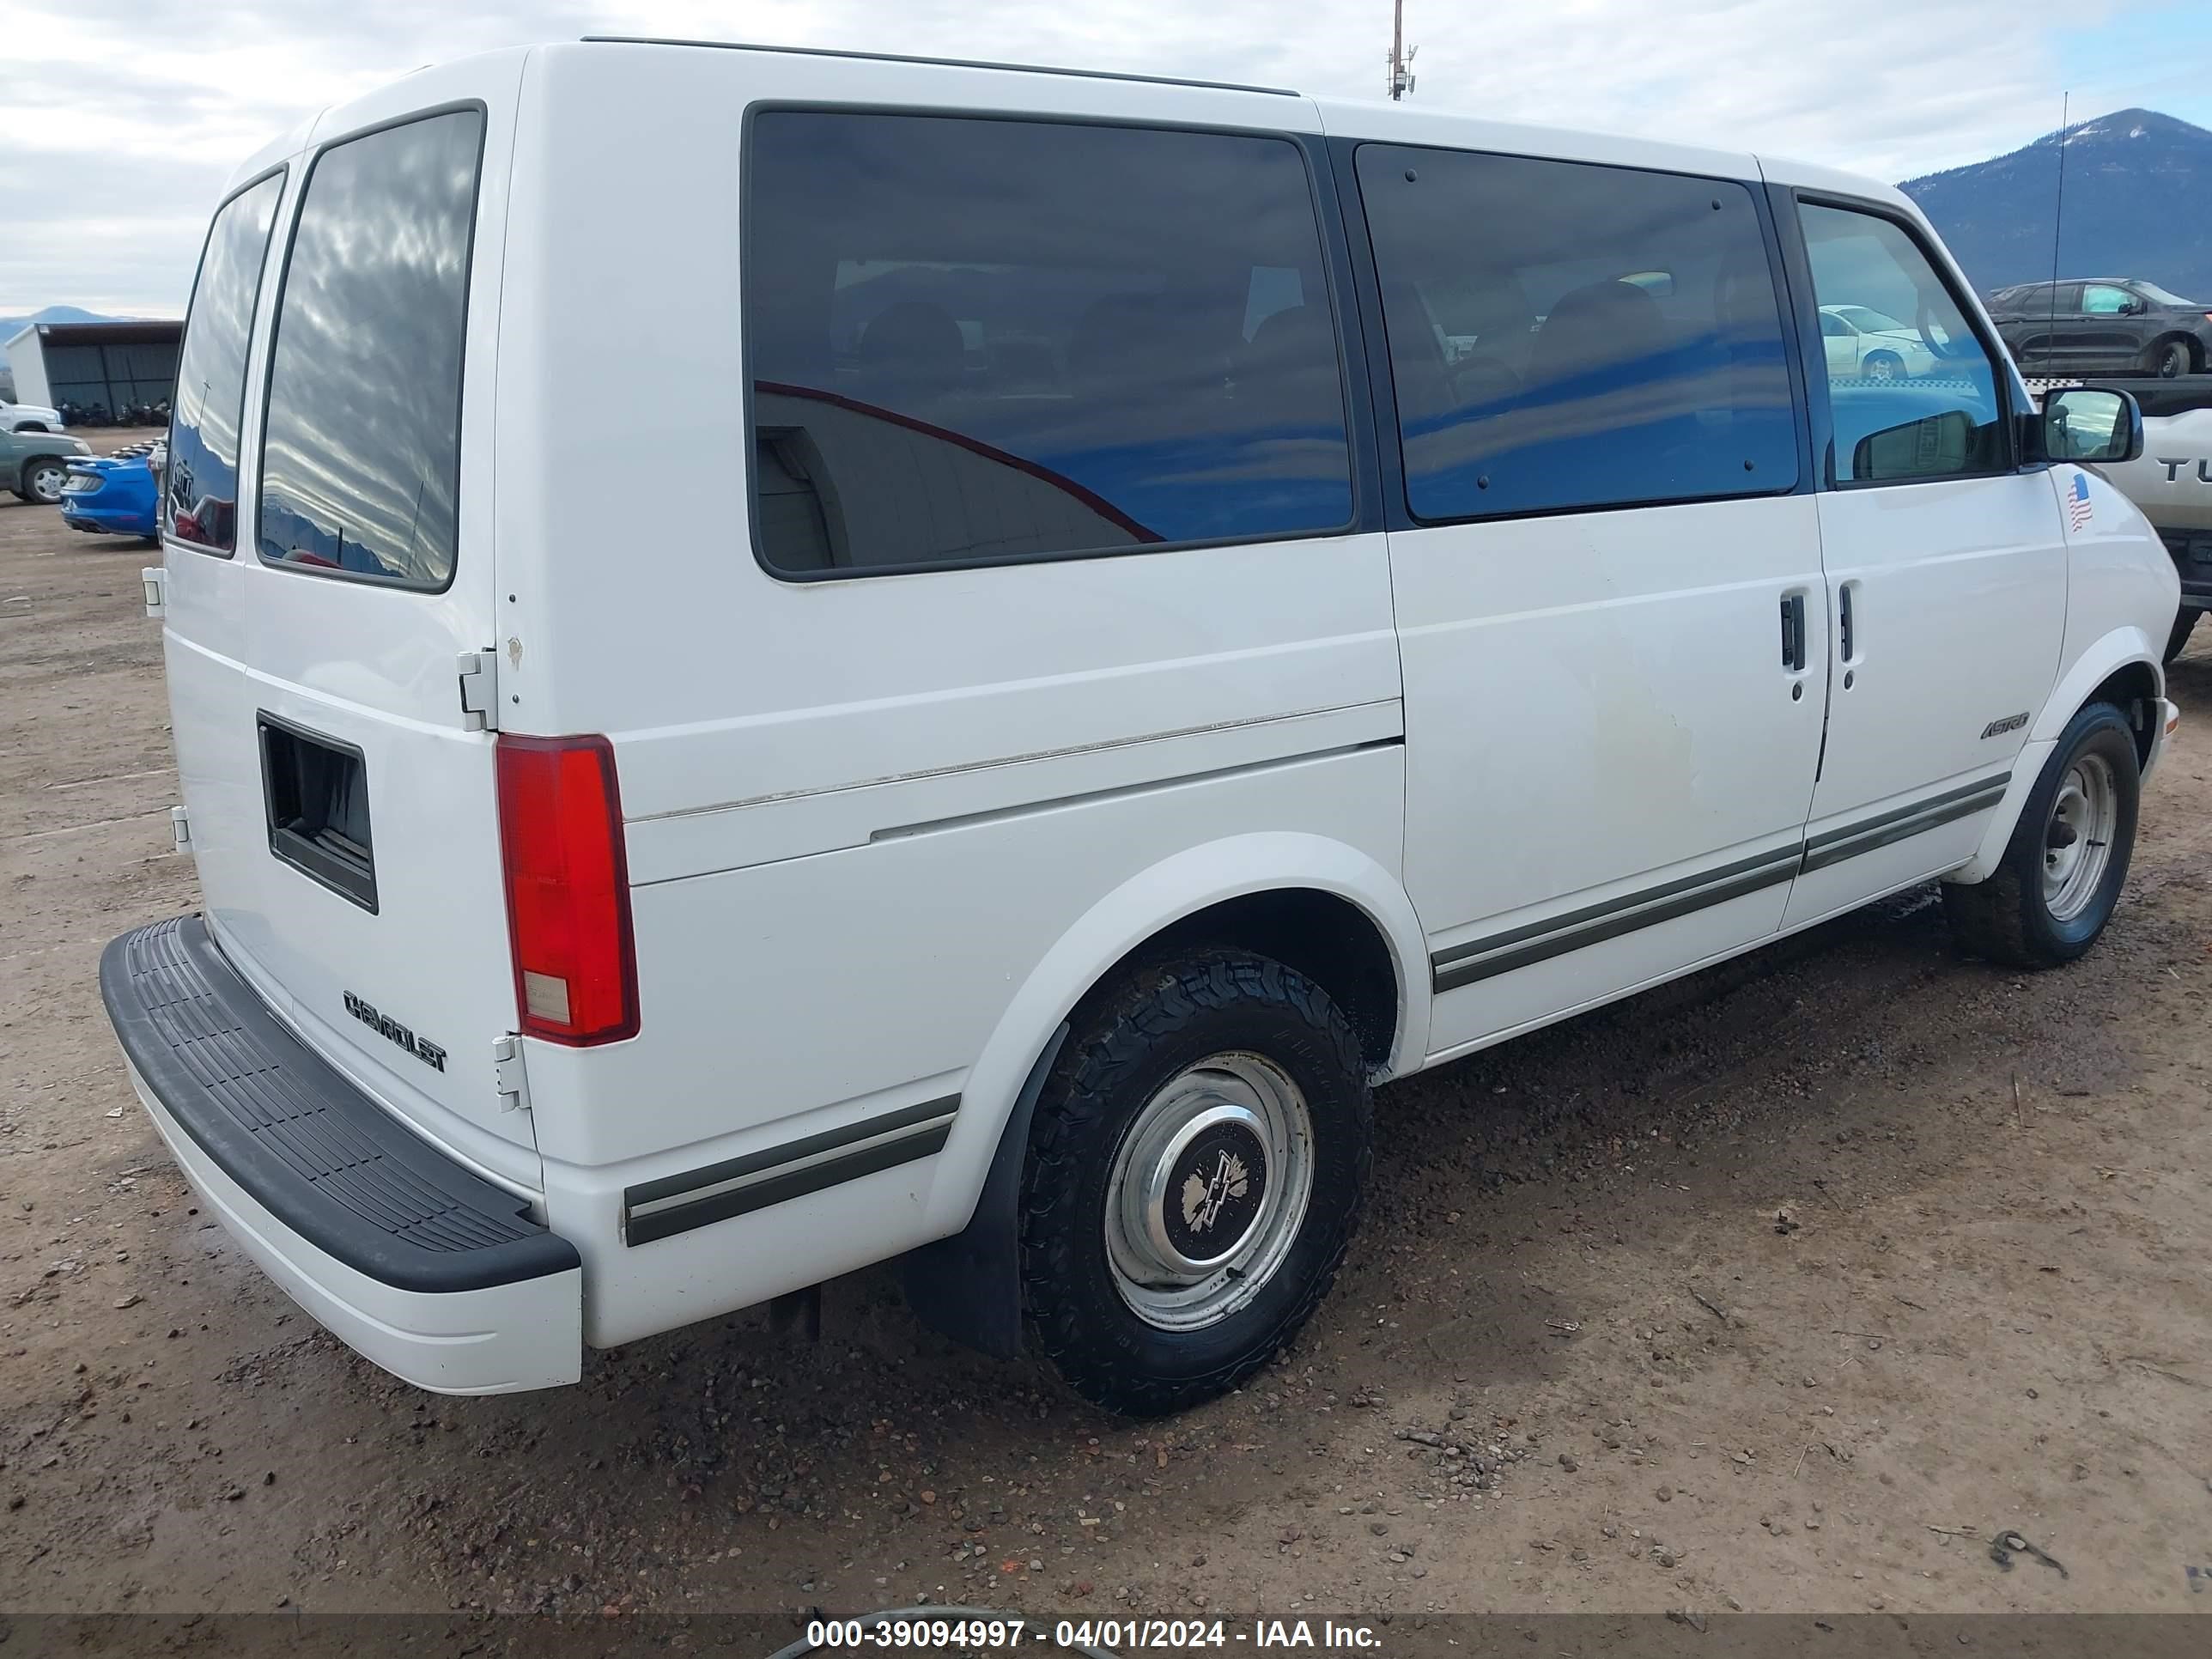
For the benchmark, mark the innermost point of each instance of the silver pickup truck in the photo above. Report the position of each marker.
(2173, 482)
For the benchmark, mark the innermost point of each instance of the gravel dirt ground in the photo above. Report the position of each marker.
(1784, 1288)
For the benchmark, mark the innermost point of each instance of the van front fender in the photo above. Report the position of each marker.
(2118, 649)
(967, 1284)
(2110, 654)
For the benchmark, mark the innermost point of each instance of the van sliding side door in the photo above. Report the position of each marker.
(1605, 558)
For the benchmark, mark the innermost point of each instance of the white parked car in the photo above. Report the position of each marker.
(1126, 695)
(1872, 345)
(29, 417)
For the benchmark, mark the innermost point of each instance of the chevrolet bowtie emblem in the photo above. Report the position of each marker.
(1202, 1199)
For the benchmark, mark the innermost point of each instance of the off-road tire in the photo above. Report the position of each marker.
(2004, 918)
(1130, 1040)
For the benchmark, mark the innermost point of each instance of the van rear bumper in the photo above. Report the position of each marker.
(424, 1268)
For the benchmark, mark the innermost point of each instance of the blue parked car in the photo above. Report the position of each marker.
(111, 496)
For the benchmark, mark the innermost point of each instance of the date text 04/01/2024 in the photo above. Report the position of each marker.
(1113, 1634)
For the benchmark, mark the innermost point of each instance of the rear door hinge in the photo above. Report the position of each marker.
(180, 827)
(479, 671)
(154, 579)
(507, 1070)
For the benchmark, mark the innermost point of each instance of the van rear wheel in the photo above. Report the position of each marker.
(1194, 1174)
(2060, 879)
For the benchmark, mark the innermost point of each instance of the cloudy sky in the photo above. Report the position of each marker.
(122, 117)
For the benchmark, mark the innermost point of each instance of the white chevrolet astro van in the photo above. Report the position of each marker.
(1121, 614)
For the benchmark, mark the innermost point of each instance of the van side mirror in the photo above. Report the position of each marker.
(2091, 423)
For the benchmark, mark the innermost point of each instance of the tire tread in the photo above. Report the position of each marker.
(2000, 917)
(1149, 1005)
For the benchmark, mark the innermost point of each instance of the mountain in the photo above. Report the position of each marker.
(2136, 186)
(10, 326)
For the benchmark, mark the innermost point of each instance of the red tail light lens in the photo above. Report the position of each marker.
(567, 890)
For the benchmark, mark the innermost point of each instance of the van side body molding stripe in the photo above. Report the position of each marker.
(677, 1204)
(1539, 941)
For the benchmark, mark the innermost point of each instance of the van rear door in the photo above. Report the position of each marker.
(328, 517)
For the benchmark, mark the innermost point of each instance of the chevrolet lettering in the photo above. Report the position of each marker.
(393, 1031)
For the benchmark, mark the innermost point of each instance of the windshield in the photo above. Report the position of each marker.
(1869, 320)
(2160, 296)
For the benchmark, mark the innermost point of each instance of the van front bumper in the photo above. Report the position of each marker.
(419, 1264)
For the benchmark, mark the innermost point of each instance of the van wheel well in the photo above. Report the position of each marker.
(1330, 940)
(2133, 691)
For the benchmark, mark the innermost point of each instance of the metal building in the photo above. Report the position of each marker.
(95, 365)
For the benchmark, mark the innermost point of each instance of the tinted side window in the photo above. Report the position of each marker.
(360, 452)
(1565, 335)
(1933, 412)
(975, 339)
(199, 503)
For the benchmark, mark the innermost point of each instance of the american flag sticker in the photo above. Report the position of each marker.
(2078, 509)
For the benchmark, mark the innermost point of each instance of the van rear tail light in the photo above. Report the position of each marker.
(567, 890)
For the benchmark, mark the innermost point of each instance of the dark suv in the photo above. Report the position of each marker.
(2103, 325)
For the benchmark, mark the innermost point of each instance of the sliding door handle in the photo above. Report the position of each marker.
(1793, 633)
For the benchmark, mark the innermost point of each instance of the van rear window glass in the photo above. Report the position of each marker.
(361, 456)
(1567, 337)
(199, 503)
(975, 340)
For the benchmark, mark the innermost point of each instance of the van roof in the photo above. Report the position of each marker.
(943, 63)
(1374, 121)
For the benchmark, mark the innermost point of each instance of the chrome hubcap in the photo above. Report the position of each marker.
(1208, 1191)
(2077, 844)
